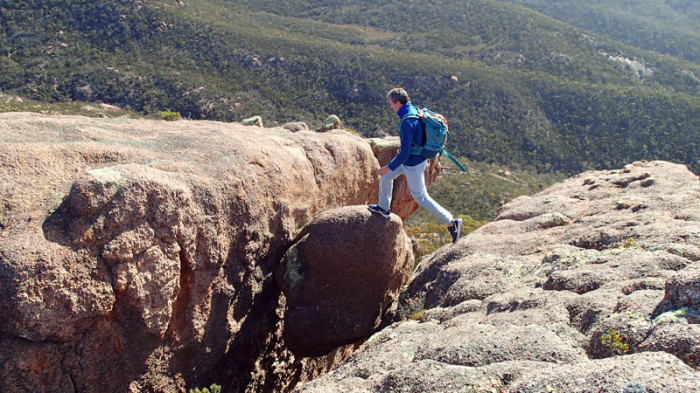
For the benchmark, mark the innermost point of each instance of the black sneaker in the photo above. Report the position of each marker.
(378, 209)
(455, 228)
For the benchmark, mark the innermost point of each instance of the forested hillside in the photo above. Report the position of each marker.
(518, 87)
(666, 26)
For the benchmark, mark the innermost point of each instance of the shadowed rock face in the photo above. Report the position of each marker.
(589, 286)
(138, 255)
(340, 278)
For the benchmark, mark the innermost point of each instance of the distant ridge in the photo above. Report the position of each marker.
(669, 26)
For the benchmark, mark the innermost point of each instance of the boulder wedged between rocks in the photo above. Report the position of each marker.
(340, 277)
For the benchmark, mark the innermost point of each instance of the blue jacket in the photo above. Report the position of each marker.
(411, 131)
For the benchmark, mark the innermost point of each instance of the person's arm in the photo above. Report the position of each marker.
(406, 142)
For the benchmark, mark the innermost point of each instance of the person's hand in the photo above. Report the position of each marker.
(383, 170)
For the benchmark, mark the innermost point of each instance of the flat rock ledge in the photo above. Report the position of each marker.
(592, 285)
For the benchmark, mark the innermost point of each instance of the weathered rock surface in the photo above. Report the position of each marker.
(589, 286)
(138, 255)
(340, 278)
(332, 122)
(402, 203)
(296, 126)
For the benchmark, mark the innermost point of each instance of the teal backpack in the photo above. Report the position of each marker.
(435, 136)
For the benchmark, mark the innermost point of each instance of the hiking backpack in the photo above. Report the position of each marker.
(435, 136)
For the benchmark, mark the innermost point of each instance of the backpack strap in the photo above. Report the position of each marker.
(454, 160)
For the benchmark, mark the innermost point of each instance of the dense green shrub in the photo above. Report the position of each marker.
(169, 115)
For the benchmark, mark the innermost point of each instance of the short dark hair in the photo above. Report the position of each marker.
(398, 95)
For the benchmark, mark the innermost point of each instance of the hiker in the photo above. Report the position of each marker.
(410, 165)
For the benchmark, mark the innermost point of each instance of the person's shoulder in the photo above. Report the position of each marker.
(412, 120)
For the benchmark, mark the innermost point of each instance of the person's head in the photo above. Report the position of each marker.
(397, 98)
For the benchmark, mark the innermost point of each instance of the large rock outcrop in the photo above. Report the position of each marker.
(137, 255)
(589, 286)
(340, 278)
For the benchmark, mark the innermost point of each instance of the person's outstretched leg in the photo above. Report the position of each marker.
(416, 184)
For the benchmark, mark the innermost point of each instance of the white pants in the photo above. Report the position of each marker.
(416, 184)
